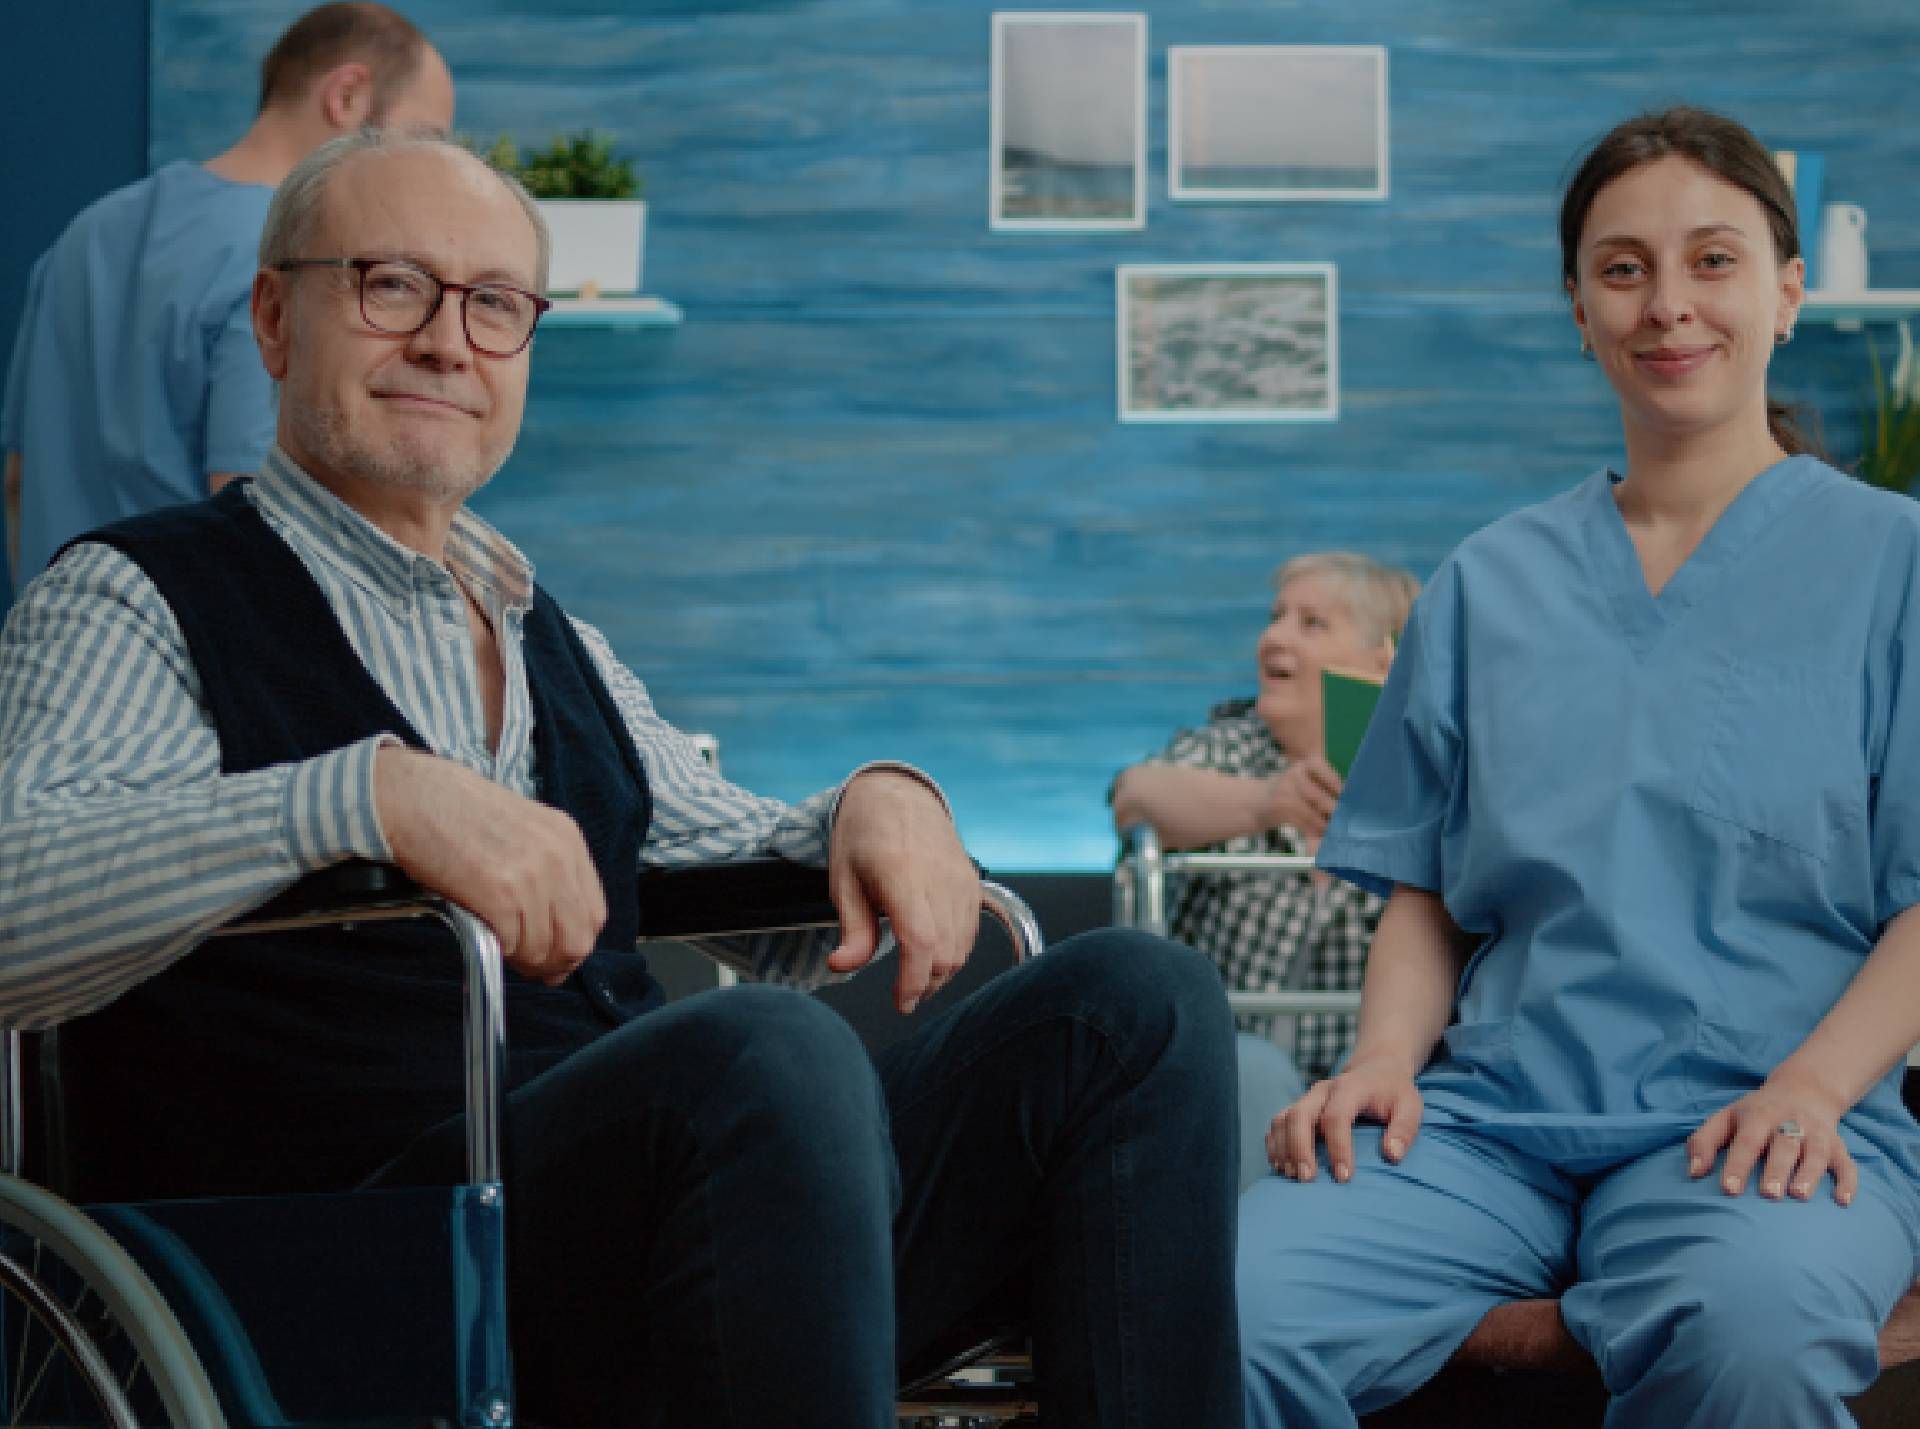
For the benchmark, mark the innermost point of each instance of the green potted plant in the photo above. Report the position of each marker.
(1890, 436)
(591, 201)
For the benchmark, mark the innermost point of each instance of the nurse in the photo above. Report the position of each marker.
(1643, 792)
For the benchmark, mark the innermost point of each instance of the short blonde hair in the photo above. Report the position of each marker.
(1378, 597)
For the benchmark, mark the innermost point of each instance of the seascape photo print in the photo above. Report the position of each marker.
(1228, 342)
(1068, 142)
(1266, 123)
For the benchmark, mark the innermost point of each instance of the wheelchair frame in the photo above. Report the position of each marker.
(710, 901)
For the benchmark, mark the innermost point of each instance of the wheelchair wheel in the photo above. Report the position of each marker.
(85, 1339)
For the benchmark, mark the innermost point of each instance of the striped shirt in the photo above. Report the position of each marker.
(121, 842)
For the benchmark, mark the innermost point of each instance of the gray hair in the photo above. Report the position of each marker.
(1378, 597)
(294, 213)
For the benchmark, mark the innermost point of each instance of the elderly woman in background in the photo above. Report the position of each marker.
(1255, 779)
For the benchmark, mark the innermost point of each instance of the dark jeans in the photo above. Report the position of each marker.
(727, 1214)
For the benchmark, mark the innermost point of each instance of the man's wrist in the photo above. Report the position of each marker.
(888, 766)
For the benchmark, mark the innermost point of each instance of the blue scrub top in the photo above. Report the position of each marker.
(135, 374)
(1678, 823)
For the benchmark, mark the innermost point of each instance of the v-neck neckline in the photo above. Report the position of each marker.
(1644, 616)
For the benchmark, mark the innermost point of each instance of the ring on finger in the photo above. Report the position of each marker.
(1791, 1129)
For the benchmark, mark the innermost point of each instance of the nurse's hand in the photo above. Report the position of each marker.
(1750, 1133)
(1378, 1089)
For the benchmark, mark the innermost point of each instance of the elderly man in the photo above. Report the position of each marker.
(135, 382)
(721, 1212)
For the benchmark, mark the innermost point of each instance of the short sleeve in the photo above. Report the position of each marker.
(1231, 742)
(1390, 823)
(240, 404)
(1896, 790)
(1211, 746)
(12, 408)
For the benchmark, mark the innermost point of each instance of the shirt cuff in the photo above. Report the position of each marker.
(890, 765)
(330, 811)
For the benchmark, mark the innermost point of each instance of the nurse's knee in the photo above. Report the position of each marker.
(1761, 1325)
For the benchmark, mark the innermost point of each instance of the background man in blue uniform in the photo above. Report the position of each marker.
(135, 381)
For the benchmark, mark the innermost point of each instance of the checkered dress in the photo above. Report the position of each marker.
(1255, 924)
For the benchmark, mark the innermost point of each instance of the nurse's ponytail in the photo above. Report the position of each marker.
(1784, 420)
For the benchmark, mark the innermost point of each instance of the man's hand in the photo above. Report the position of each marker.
(895, 854)
(1303, 795)
(521, 867)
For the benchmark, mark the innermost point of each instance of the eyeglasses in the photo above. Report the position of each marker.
(400, 298)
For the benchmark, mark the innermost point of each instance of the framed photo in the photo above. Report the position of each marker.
(1228, 342)
(1265, 123)
(1068, 141)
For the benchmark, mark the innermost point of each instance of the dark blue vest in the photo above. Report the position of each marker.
(304, 1061)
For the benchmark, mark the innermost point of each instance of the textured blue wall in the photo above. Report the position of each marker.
(73, 124)
(872, 498)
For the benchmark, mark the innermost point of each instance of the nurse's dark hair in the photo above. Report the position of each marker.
(1723, 147)
(384, 40)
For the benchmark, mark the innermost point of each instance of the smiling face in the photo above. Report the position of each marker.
(1682, 297)
(1311, 628)
(425, 413)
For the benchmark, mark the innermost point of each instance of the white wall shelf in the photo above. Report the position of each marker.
(643, 311)
(1884, 305)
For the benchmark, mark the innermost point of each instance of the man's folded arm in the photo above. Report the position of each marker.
(122, 842)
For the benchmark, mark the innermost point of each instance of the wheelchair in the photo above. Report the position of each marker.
(1520, 1367)
(363, 1309)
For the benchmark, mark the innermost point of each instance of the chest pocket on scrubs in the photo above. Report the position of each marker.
(1782, 757)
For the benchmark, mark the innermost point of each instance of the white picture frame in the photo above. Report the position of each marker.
(1228, 342)
(1276, 123)
(1067, 143)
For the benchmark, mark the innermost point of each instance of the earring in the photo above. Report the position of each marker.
(1586, 347)
(1783, 338)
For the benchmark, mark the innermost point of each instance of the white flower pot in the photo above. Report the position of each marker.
(597, 241)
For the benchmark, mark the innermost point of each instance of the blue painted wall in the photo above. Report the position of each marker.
(73, 124)
(872, 497)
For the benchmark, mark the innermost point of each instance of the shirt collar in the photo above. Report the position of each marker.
(373, 560)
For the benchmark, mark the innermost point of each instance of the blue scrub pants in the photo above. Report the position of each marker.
(1703, 1310)
(1269, 1084)
(726, 1214)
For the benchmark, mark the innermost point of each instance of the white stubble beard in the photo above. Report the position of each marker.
(328, 438)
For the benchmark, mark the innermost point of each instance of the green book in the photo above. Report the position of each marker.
(1347, 698)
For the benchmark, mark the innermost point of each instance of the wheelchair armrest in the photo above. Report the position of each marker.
(758, 895)
(751, 895)
(356, 886)
(1140, 874)
(358, 891)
